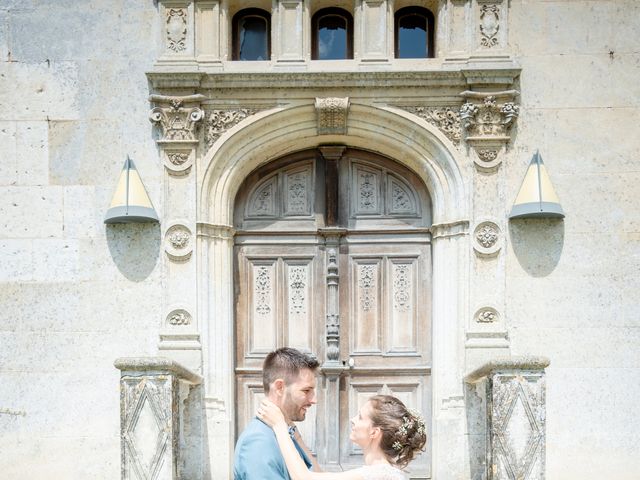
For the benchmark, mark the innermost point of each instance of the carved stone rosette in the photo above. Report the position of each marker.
(152, 395)
(446, 119)
(487, 238)
(178, 242)
(332, 113)
(487, 118)
(514, 391)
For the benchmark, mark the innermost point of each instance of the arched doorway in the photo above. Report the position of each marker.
(325, 232)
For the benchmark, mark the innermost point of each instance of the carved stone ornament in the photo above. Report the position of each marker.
(178, 242)
(178, 162)
(483, 115)
(178, 117)
(332, 113)
(446, 119)
(218, 122)
(487, 119)
(487, 315)
(487, 238)
(178, 317)
(489, 25)
(176, 29)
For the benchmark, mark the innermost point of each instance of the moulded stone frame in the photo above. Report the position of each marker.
(282, 130)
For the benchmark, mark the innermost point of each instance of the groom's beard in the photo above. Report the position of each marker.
(292, 411)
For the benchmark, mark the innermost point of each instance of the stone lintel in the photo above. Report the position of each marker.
(138, 366)
(527, 362)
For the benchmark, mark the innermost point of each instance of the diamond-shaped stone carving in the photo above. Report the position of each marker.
(517, 430)
(146, 435)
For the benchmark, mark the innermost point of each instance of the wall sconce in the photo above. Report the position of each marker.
(536, 197)
(130, 203)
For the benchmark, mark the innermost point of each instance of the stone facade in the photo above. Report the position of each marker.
(80, 82)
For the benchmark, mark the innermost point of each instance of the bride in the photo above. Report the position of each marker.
(388, 433)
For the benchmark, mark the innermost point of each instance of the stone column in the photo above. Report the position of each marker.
(513, 389)
(152, 395)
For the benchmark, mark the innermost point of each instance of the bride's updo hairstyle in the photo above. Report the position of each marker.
(403, 431)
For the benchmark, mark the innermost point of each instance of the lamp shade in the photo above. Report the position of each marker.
(130, 203)
(536, 197)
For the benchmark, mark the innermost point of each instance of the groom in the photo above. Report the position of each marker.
(289, 379)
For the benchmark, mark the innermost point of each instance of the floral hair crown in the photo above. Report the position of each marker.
(408, 422)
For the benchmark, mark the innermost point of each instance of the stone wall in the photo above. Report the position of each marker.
(572, 285)
(74, 293)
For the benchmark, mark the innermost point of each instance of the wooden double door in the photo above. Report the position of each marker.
(332, 256)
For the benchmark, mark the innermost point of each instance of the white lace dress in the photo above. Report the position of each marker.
(381, 472)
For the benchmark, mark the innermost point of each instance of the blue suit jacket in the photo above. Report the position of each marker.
(258, 456)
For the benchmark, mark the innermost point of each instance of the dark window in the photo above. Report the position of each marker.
(332, 34)
(414, 33)
(252, 35)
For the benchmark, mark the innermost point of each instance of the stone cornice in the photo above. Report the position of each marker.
(528, 362)
(163, 80)
(138, 365)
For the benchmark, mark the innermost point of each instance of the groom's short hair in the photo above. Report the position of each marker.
(286, 363)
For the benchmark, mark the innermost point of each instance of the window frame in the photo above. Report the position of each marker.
(414, 10)
(235, 33)
(315, 32)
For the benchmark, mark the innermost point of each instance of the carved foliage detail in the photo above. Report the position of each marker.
(403, 200)
(401, 287)
(219, 121)
(446, 119)
(367, 192)
(489, 25)
(488, 118)
(262, 201)
(332, 115)
(178, 158)
(297, 290)
(297, 198)
(367, 284)
(263, 291)
(179, 317)
(177, 29)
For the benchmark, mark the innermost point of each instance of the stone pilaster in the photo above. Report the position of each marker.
(153, 391)
(177, 30)
(513, 390)
(178, 119)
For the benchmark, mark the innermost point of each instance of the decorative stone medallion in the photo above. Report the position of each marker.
(178, 162)
(487, 238)
(178, 317)
(178, 242)
(486, 315)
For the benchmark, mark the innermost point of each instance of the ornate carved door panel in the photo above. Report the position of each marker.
(378, 231)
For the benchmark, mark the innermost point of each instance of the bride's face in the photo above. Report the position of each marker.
(362, 428)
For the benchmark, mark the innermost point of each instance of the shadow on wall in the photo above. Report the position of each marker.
(537, 244)
(135, 248)
(477, 435)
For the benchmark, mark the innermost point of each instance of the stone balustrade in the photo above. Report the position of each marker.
(514, 392)
(153, 391)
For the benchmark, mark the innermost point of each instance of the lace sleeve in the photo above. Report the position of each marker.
(381, 472)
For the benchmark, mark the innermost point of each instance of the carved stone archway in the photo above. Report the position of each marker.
(272, 133)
